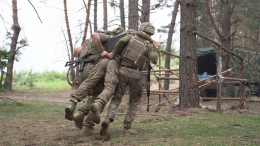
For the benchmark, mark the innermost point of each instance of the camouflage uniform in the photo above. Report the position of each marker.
(130, 75)
(105, 68)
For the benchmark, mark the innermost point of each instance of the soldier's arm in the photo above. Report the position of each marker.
(98, 39)
(120, 43)
(153, 53)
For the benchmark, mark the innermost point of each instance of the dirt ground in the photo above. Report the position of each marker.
(252, 107)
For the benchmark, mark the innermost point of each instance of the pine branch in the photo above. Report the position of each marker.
(35, 11)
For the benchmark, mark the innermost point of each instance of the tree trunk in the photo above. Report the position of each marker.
(95, 15)
(72, 73)
(189, 93)
(226, 41)
(105, 14)
(145, 11)
(133, 14)
(11, 57)
(1, 70)
(122, 13)
(169, 42)
(87, 21)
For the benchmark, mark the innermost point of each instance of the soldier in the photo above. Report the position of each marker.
(88, 50)
(106, 68)
(138, 52)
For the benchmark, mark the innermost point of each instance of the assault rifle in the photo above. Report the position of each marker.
(80, 62)
(148, 85)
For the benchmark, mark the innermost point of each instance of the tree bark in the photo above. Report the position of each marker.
(133, 14)
(145, 11)
(87, 21)
(189, 93)
(1, 70)
(95, 15)
(11, 57)
(105, 14)
(72, 73)
(169, 43)
(122, 13)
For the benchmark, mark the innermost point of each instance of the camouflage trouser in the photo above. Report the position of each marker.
(110, 83)
(133, 78)
(94, 93)
(94, 78)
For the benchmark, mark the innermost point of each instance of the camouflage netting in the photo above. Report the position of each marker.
(252, 65)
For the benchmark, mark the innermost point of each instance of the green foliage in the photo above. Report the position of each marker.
(4, 57)
(31, 77)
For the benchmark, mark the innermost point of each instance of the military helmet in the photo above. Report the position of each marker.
(147, 27)
(117, 30)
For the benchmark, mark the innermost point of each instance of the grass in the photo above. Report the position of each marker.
(43, 86)
(43, 123)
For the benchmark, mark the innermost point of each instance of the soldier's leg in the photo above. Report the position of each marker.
(95, 75)
(85, 110)
(110, 83)
(115, 101)
(136, 89)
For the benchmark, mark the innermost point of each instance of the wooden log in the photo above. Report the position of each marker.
(164, 70)
(242, 85)
(214, 98)
(167, 97)
(169, 53)
(160, 63)
(167, 78)
(218, 106)
(223, 73)
(235, 79)
(152, 93)
(167, 69)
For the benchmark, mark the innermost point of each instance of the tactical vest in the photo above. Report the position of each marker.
(112, 42)
(135, 51)
(86, 48)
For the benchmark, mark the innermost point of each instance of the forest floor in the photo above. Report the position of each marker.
(40, 121)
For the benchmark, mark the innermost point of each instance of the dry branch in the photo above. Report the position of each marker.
(219, 46)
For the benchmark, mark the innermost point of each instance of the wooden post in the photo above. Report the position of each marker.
(218, 84)
(242, 85)
(160, 63)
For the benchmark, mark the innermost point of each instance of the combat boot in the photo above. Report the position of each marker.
(88, 129)
(127, 131)
(69, 110)
(105, 125)
(79, 119)
(96, 112)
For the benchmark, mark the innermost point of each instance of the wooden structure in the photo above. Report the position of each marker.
(163, 71)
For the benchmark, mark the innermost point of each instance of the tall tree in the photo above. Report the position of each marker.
(189, 93)
(105, 13)
(72, 72)
(87, 21)
(95, 15)
(169, 42)
(122, 13)
(133, 14)
(145, 11)
(11, 57)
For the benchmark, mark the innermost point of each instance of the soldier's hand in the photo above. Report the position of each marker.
(155, 43)
(110, 55)
(104, 54)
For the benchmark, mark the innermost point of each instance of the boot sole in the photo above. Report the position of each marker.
(104, 128)
(96, 114)
(68, 114)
